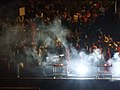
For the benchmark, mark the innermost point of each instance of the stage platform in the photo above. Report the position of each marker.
(36, 83)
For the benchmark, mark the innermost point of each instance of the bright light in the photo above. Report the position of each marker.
(82, 69)
(105, 65)
(115, 68)
(116, 65)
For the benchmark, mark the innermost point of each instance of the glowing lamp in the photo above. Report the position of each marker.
(105, 65)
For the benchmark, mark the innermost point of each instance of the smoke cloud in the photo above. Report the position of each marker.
(48, 34)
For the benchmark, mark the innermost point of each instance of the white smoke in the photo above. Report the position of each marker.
(115, 62)
(10, 35)
(77, 59)
(86, 62)
(54, 30)
(91, 61)
(48, 33)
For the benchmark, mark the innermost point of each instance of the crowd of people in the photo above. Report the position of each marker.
(74, 14)
(78, 17)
